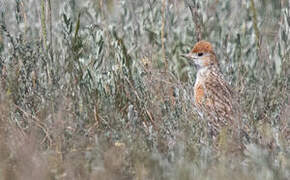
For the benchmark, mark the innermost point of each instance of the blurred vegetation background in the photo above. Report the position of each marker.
(96, 89)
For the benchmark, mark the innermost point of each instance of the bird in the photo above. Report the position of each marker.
(213, 96)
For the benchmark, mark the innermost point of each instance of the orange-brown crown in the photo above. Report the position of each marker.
(202, 46)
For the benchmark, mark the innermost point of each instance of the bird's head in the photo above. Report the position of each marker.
(202, 55)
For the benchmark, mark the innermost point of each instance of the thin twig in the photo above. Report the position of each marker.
(50, 29)
(162, 35)
(255, 23)
(38, 123)
(24, 18)
(193, 7)
(43, 25)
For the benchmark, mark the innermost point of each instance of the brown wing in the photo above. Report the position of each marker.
(218, 100)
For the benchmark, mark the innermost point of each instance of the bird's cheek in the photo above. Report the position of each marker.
(206, 63)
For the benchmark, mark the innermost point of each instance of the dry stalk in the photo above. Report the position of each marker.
(162, 35)
(196, 19)
(255, 23)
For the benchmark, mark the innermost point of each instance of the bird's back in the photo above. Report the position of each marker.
(214, 99)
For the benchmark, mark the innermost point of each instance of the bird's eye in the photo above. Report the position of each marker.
(200, 54)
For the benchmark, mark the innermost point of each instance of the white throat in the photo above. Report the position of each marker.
(201, 73)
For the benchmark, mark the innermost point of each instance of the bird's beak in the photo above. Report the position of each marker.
(187, 56)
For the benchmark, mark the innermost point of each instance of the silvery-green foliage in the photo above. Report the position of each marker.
(97, 75)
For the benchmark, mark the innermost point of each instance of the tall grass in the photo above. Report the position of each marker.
(98, 90)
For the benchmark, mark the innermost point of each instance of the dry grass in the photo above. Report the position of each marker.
(98, 90)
